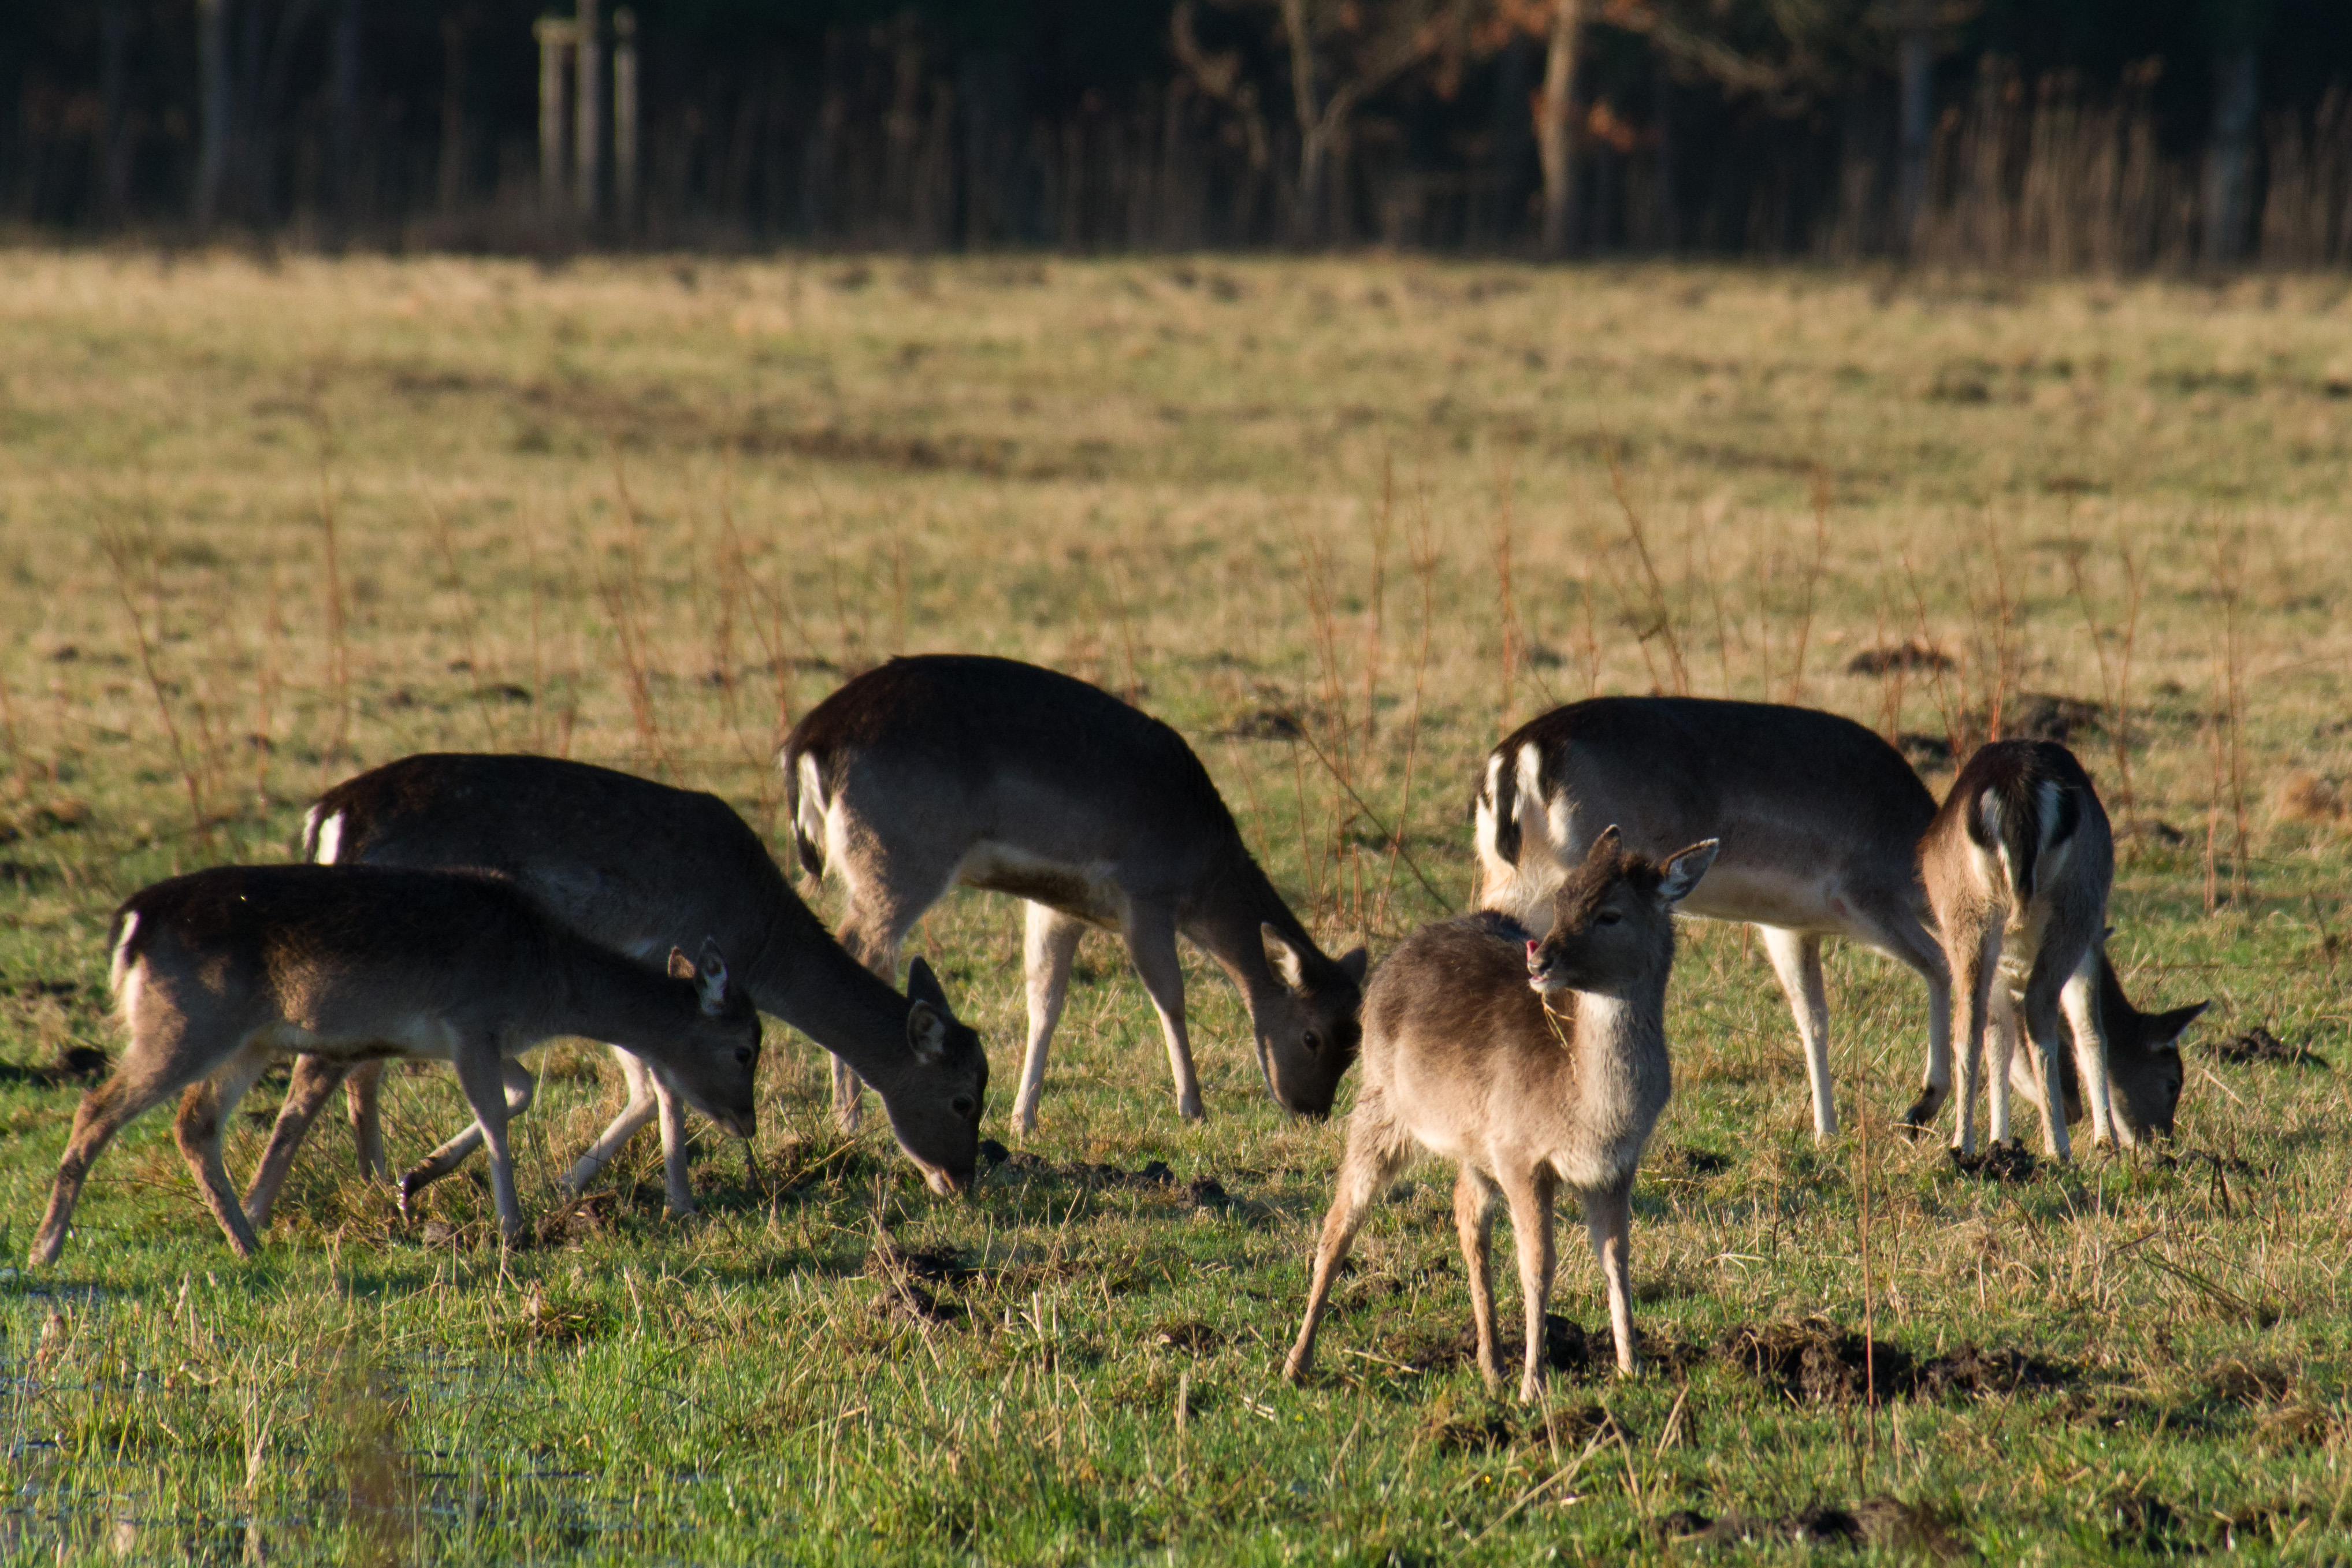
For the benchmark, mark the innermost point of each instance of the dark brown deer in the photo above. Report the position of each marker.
(2016, 865)
(941, 770)
(217, 973)
(1535, 1065)
(632, 865)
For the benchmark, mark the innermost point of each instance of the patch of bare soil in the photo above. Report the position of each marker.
(1190, 1335)
(1887, 1523)
(1816, 1361)
(72, 1065)
(2259, 1045)
(2011, 1161)
(1911, 655)
(1493, 1425)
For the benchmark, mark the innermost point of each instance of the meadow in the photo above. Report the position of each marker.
(1343, 523)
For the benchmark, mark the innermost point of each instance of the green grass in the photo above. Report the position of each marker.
(646, 513)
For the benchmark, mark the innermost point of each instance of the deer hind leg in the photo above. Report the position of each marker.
(2079, 1000)
(641, 1107)
(1376, 1153)
(1151, 947)
(518, 1087)
(1474, 1198)
(1976, 970)
(105, 1110)
(1529, 1194)
(314, 1082)
(2000, 1030)
(1797, 960)
(1609, 1223)
(204, 1116)
(1049, 944)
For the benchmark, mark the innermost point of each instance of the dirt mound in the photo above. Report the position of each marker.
(2259, 1045)
(1191, 1334)
(1815, 1359)
(1912, 655)
(1566, 1348)
(1886, 1522)
(1971, 1372)
(1499, 1427)
(72, 1064)
(2010, 1161)
(937, 1265)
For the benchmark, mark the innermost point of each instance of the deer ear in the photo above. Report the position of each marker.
(922, 985)
(2167, 1027)
(1606, 845)
(680, 966)
(1356, 962)
(710, 974)
(1283, 958)
(927, 1016)
(1684, 870)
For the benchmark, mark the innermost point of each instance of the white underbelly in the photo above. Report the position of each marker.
(1088, 889)
(1772, 897)
(415, 1036)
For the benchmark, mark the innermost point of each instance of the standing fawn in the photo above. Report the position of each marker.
(2017, 866)
(1820, 821)
(941, 770)
(216, 973)
(632, 865)
(1535, 1065)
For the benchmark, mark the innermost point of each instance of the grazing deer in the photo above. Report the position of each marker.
(629, 863)
(1536, 1064)
(1820, 821)
(216, 973)
(941, 770)
(2017, 866)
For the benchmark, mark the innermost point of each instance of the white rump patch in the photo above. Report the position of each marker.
(809, 814)
(119, 965)
(328, 841)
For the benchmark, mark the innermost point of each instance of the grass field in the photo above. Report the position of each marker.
(1343, 523)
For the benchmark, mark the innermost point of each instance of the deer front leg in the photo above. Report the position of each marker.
(1049, 944)
(643, 1104)
(1474, 1224)
(2042, 1024)
(205, 1111)
(499, 1087)
(511, 1096)
(2079, 1000)
(1608, 1225)
(677, 1180)
(1376, 1153)
(314, 1082)
(1152, 945)
(1797, 960)
(1529, 1194)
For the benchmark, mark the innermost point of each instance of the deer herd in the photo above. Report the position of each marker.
(467, 907)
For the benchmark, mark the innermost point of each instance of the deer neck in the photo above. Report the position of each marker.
(811, 981)
(1224, 921)
(603, 996)
(1621, 1079)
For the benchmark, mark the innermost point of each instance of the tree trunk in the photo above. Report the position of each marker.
(344, 117)
(1552, 115)
(212, 70)
(1314, 142)
(2237, 99)
(114, 132)
(1918, 108)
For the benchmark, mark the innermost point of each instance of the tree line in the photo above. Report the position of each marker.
(2059, 134)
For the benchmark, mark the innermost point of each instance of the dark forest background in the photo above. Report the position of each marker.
(2057, 134)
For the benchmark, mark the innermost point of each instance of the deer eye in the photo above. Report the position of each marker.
(743, 1056)
(963, 1105)
(1313, 1042)
(1607, 918)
